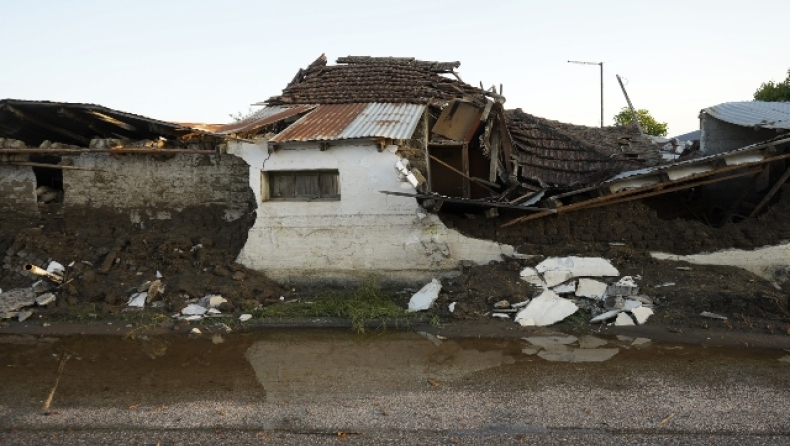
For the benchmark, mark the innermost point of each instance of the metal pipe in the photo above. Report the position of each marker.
(33, 269)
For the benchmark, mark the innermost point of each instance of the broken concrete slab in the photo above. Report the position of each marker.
(45, 299)
(590, 288)
(591, 342)
(423, 299)
(579, 266)
(623, 320)
(546, 309)
(641, 314)
(710, 315)
(16, 299)
(605, 316)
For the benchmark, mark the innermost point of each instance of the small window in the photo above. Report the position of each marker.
(306, 185)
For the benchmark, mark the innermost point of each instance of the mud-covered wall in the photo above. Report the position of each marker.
(17, 190)
(156, 186)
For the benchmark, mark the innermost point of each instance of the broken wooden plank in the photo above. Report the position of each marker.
(771, 193)
(465, 201)
(476, 180)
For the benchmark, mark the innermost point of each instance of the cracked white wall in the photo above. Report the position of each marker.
(364, 232)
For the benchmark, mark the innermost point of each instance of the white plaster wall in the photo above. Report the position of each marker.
(364, 232)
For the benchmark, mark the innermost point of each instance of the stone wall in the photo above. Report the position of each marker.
(155, 186)
(17, 191)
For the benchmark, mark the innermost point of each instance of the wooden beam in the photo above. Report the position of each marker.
(476, 180)
(771, 193)
(55, 166)
(43, 124)
(112, 120)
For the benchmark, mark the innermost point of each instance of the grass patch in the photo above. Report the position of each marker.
(367, 302)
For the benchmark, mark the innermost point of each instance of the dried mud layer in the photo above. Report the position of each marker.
(626, 234)
(194, 252)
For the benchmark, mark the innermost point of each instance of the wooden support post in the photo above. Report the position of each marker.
(771, 193)
(465, 167)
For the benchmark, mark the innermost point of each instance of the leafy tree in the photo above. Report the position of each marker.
(648, 122)
(774, 91)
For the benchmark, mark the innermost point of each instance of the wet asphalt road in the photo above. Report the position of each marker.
(334, 387)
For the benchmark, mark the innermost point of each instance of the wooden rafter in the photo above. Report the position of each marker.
(43, 124)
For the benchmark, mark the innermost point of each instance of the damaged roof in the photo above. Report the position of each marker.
(73, 123)
(264, 118)
(564, 155)
(767, 115)
(354, 121)
(357, 79)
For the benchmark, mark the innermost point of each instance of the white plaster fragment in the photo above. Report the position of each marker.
(568, 288)
(623, 320)
(138, 300)
(451, 307)
(554, 278)
(590, 288)
(531, 276)
(193, 310)
(56, 268)
(423, 299)
(546, 309)
(45, 299)
(642, 314)
(579, 266)
(710, 315)
(245, 317)
(195, 331)
(195, 317)
(605, 316)
(630, 304)
(521, 304)
(500, 315)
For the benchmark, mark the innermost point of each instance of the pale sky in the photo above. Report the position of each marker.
(200, 61)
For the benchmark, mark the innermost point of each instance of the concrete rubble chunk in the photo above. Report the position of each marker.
(546, 309)
(590, 288)
(423, 299)
(45, 299)
(137, 300)
(245, 317)
(605, 316)
(194, 310)
(641, 314)
(579, 266)
(624, 287)
(13, 300)
(531, 276)
(623, 320)
(710, 315)
(568, 288)
(24, 315)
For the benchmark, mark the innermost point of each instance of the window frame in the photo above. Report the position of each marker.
(271, 179)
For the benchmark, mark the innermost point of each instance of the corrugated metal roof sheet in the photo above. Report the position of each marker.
(769, 115)
(263, 117)
(352, 121)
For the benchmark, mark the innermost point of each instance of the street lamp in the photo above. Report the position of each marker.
(601, 65)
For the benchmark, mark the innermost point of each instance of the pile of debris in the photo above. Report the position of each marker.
(20, 303)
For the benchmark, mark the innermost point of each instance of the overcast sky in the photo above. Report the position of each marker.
(200, 61)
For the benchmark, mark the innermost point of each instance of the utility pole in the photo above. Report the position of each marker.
(630, 106)
(601, 65)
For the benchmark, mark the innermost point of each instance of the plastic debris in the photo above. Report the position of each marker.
(423, 299)
(546, 309)
(590, 288)
(245, 317)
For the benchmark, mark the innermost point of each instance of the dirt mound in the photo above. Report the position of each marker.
(109, 257)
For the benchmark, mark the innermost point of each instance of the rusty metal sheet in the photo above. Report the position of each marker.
(380, 120)
(325, 123)
(263, 117)
(458, 121)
